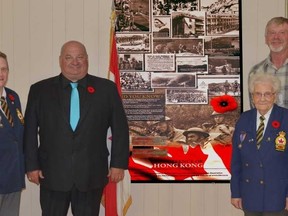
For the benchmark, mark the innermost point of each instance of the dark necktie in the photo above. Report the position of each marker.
(260, 131)
(74, 106)
(6, 110)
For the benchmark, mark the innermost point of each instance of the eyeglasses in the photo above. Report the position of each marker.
(267, 95)
(4, 69)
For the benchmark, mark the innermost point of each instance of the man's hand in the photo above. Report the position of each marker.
(116, 174)
(34, 176)
(236, 202)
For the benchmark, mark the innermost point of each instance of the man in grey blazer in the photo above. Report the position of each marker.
(71, 165)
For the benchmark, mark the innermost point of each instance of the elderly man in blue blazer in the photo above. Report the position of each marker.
(259, 166)
(12, 179)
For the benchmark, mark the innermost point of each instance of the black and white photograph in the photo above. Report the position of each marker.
(224, 65)
(135, 81)
(163, 7)
(226, 24)
(180, 47)
(227, 46)
(220, 85)
(186, 96)
(189, 24)
(131, 62)
(161, 26)
(132, 15)
(173, 80)
(159, 62)
(139, 43)
(192, 64)
(220, 7)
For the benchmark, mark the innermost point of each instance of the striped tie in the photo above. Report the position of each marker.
(6, 111)
(260, 131)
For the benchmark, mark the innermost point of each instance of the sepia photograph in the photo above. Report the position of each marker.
(186, 96)
(180, 47)
(130, 43)
(161, 26)
(192, 64)
(135, 81)
(132, 15)
(132, 62)
(173, 80)
(164, 7)
(220, 85)
(188, 24)
(224, 65)
(222, 46)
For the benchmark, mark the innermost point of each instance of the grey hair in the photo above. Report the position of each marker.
(276, 21)
(4, 56)
(264, 78)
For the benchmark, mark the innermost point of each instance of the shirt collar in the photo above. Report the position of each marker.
(267, 115)
(65, 82)
(4, 94)
(269, 62)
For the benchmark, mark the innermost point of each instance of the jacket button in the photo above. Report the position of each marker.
(261, 182)
(247, 180)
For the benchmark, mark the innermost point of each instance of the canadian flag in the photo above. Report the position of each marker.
(117, 196)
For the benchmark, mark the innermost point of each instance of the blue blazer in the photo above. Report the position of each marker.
(11, 147)
(260, 177)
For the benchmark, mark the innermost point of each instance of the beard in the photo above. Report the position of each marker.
(276, 48)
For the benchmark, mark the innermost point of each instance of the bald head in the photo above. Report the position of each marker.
(73, 60)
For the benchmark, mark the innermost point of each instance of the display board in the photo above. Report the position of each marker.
(175, 58)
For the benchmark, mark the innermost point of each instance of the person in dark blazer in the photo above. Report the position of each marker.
(259, 165)
(71, 165)
(12, 173)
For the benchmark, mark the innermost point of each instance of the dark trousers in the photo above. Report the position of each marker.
(282, 213)
(56, 203)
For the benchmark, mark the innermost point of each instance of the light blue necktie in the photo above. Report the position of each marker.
(74, 106)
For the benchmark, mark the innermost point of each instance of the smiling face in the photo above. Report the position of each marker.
(73, 61)
(264, 97)
(277, 37)
(4, 70)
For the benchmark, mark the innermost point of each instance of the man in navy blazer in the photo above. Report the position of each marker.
(71, 166)
(259, 183)
(12, 179)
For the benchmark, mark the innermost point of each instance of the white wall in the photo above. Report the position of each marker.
(31, 34)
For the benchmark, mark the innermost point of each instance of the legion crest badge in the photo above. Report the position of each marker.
(20, 116)
(280, 141)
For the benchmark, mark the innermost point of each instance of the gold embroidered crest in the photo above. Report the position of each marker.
(280, 141)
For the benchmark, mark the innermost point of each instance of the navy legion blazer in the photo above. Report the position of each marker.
(260, 177)
(11, 147)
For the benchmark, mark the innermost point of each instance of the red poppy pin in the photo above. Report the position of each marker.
(90, 89)
(223, 103)
(276, 124)
(12, 98)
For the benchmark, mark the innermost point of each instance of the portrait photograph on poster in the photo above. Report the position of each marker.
(181, 81)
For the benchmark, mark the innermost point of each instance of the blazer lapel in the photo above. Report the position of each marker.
(268, 142)
(87, 100)
(57, 90)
